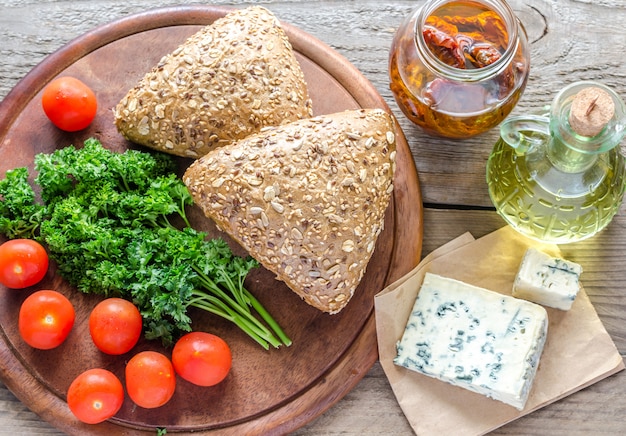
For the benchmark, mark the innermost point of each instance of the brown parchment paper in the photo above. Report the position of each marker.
(578, 351)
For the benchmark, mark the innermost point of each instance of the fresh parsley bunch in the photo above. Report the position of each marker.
(108, 221)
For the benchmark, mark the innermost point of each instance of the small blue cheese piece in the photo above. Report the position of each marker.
(475, 339)
(547, 280)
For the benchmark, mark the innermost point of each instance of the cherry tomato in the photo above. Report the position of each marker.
(150, 379)
(69, 104)
(95, 395)
(46, 318)
(202, 358)
(115, 325)
(23, 263)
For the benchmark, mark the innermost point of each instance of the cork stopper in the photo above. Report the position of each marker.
(591, 110)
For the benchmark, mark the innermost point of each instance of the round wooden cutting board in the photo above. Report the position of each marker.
(267, 392)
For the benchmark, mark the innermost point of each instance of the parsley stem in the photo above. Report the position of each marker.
(268, 318)
(248, 322)
(201, 303)
(244, 311)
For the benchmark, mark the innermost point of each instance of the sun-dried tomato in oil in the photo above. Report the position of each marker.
(466, 39)
(483, 63)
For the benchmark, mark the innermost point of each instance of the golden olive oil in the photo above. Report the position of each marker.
(544, 201)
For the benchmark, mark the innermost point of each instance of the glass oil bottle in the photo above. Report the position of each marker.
(560, 178)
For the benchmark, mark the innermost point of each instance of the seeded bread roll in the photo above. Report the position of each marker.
(228, 80)
(306, 199)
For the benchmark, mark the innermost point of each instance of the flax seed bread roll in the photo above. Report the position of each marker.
(228, 80)
(306, 199)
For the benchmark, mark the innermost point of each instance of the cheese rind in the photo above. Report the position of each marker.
(547, 280)
(474, 338)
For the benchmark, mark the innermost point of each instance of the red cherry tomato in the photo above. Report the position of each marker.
(95, 395)
(115, 325)
(23, 263)
(69, 104)
(202, 358)
(150, 379)
(45, 319)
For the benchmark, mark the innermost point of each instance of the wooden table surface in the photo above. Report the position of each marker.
(571, 40)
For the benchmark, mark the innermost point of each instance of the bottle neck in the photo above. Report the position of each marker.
(533, 132)
(568, 159)
(569, 150)
(562, 131)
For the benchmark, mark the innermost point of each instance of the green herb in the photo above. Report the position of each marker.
(115, 223)
(20, 216)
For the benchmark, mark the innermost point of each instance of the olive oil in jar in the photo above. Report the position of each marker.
(553, 181)
(458, 68)
(551, 205)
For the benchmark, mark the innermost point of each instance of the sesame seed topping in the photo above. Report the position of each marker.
(315, 212)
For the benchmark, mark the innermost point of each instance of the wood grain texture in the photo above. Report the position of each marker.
(570, 41)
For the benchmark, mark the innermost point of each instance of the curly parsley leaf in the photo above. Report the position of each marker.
(20, 215)
(107, 220)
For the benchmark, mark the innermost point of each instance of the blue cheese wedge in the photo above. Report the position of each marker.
(475, 339)
(547, 280)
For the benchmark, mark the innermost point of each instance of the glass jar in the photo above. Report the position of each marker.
(458, 67)
(560, 177)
